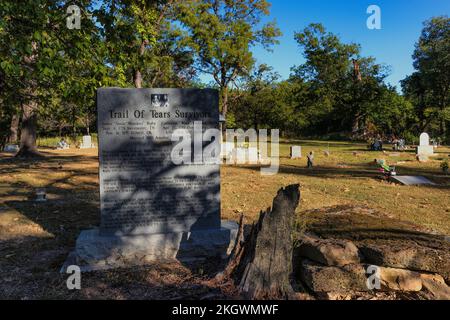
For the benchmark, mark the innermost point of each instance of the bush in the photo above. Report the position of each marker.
(444, 166)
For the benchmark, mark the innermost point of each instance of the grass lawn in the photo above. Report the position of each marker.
(35, 238)
(346, 177)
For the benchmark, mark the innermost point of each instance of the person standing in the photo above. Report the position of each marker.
(310, 159)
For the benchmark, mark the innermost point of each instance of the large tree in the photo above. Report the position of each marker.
(38, 53)
(222, 34)
(343, 86)
(429, 86)
(143, 44)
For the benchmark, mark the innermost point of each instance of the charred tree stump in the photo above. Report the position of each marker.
(262, 263)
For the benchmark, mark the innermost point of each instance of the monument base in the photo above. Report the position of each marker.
(425, 150)
(99, 252)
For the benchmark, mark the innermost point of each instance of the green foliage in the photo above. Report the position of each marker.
(429, 86)
(324, 97)
(221, 34)
(73, 141)
(168, 43)
(60, 68)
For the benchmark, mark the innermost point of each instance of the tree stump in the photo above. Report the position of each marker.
(262, 263)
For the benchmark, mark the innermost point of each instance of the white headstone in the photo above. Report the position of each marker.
(424, 149)
(424, 139)
(87, 143)
(241, 155)
(296, 152)
(226, 149)
(253, 155)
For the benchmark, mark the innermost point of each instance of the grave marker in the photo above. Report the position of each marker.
(151, 208)
(296, 152)
(86, 143)
(424, 149)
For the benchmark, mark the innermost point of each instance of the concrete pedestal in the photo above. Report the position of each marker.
(95, 251)
(425, 150)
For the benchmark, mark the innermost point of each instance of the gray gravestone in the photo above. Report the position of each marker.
(412, 180)
(151, 208)
(11, 148)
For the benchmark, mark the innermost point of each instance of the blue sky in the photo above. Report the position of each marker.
(401, 24)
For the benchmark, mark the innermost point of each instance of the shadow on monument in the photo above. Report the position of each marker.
(154, 210)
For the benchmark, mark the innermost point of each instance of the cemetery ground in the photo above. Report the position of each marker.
(342, 197)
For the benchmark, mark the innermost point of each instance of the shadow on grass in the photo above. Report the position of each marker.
(360, 170)
(364, 223)
(70, 210)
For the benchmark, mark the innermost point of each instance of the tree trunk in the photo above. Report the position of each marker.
(74, 122)
(29, 111)
(224, 107)
(14, 129)
(356, 126)
(262, 264)
(28, 131)
(137, 76)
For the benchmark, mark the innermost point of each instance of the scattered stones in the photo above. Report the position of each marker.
(422, 158)
(333, 279)
(399, 279)
(331, 252)
(412, 263)
(436, 286)
(408, 256)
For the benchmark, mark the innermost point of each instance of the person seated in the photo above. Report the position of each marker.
(62, 144)
(377, 145)
(385, 168)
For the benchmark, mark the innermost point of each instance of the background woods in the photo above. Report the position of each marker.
(49, 73)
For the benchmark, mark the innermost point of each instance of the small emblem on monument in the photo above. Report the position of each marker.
(160, 100)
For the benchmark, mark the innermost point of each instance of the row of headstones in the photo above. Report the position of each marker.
(86, 143)
(251, 155)
(241, 155)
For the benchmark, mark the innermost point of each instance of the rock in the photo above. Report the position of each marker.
(338, 296)
(330, 252)
(400, 279)
(333, 279)
(422, 158)
(404, 256)
(436, 286)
